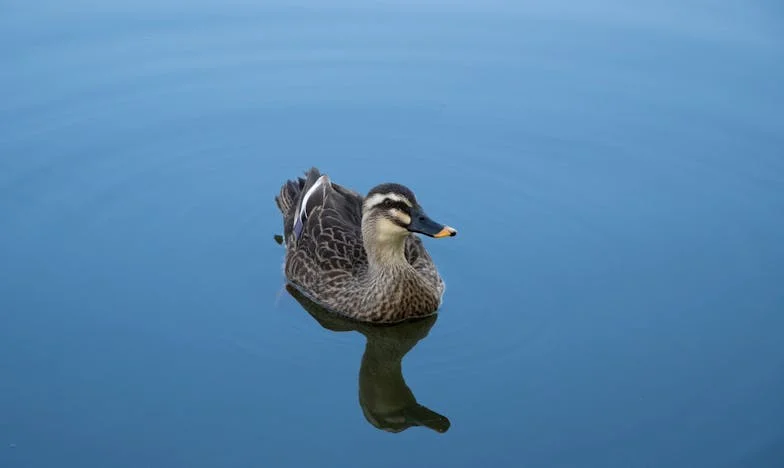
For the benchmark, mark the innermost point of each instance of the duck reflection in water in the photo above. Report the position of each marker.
(386, 401)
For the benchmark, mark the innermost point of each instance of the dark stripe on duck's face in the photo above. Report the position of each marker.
(386, 200)
(399, 206)
(393, 189)
(389, 206)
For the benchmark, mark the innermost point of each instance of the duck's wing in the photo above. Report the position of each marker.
(416, 254)
(324, 224)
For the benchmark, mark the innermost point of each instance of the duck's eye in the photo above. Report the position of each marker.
(387, 203)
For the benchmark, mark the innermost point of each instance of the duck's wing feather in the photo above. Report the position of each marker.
(324, 228)
(314, 192)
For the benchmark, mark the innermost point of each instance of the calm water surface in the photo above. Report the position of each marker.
(614, 298)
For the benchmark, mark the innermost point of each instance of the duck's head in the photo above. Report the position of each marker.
(391, 212)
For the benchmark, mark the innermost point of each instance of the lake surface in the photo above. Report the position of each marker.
(615, 296)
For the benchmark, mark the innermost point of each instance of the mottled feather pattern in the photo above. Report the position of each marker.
(329, 263)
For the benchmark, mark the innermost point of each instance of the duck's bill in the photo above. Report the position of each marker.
(422, 224)
(425, 417)
(446, 232)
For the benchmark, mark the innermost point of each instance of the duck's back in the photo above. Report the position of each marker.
(322, 229)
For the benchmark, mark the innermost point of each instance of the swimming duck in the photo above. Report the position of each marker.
(359, 256)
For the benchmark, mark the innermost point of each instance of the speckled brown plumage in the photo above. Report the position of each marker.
(329, 262)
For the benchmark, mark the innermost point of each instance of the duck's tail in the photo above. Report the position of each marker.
(290, 194)
(288, 198)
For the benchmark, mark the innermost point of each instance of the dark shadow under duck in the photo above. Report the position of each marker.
(386, 401)
(360, 256)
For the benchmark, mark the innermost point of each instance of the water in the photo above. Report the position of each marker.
(614, 297)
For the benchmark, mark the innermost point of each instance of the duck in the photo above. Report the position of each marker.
(360, 256)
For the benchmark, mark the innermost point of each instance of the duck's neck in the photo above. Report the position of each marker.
(394, 280)
(387, 255)
(382, 387)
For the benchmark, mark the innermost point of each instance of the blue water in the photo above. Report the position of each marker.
(615, 170)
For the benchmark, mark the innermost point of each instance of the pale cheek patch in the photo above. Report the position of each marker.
(402, 217)
(387, 228)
